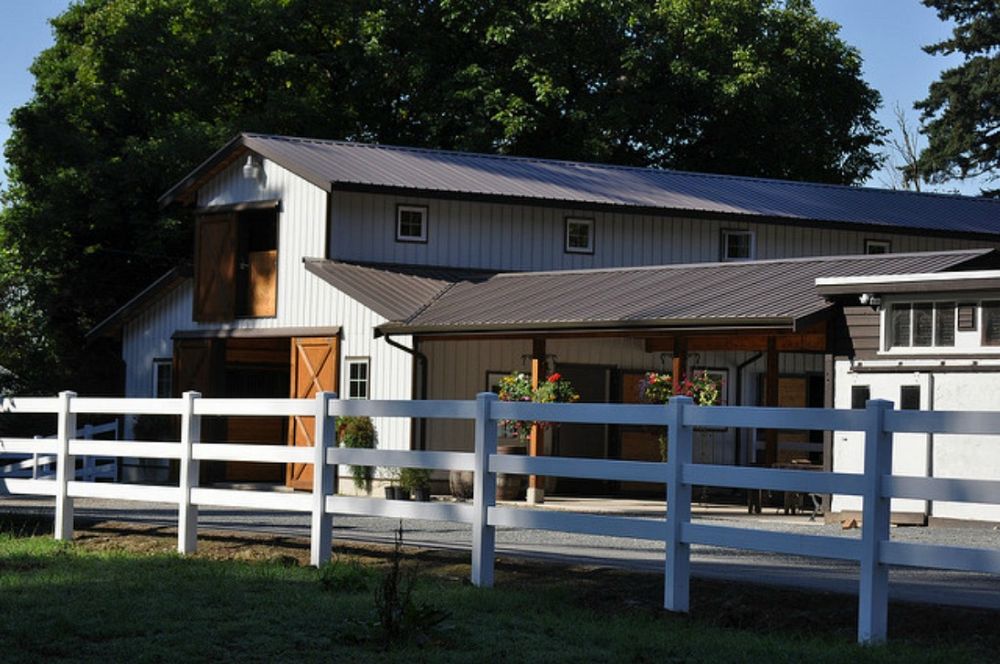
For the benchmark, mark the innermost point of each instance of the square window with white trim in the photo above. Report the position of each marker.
(163, 379)
(738, 246)
(579, 236)
(411, 223)
(877, 246)
(358, 378)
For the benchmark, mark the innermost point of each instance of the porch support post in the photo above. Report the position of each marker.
(536, 484)
(680, 359)
(771, 398)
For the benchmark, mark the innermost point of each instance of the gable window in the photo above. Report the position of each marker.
(162, 379)
(579, 236)
(738, 245)
(411, 223)
(358, 385)
(877, 246)
(921, 325)
(236, 263)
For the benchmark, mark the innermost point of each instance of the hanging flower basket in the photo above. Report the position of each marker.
(658, 388)
(516, 386)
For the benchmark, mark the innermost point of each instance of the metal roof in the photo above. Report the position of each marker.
(396, 292)
(776, 293)
(357, 166)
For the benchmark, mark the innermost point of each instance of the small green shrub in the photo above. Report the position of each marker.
(346, 575)
(415, 478)
(358, 432)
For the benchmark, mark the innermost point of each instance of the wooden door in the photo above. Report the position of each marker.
(198, 366)
(314, 369)
(215, 268)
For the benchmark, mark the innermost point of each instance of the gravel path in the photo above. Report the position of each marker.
(931, 586)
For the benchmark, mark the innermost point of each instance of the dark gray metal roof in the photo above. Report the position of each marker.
(397, 292)
(342, 165)
(777, 293)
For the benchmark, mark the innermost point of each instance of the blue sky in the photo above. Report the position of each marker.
(889, 34)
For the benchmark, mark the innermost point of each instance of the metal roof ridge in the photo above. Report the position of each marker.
(621, 167)
(734, 264)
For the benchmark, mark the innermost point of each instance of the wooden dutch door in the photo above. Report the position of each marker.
(314, 369)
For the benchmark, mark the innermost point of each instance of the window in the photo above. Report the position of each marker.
(877, 246)
(921, 325)
(909, 397)
(966, 317)
(236, 263)
(411, 223)
(737, 245)
(860, 394)
(162, 379)
(579, 236)
(991, 323)
(357, 378)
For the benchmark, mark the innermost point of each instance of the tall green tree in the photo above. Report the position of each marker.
(961, 114)
(135, 93)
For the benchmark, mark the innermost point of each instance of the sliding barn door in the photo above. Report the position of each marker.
(314, 369)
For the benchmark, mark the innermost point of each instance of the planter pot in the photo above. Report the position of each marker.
(511, 487)
(422, 494)
(460, 484)
(396, 493)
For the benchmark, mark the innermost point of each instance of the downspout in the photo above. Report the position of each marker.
(739, 394)
(418, 386)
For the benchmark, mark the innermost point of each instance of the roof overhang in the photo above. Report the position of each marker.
(939, 282)
(112, 325)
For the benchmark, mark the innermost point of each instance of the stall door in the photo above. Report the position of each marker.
(314, 369)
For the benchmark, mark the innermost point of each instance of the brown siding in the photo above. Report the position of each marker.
(856, 332)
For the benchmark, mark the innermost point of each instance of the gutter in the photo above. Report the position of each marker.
(419, 385)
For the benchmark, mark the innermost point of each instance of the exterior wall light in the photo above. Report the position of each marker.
(253, 168)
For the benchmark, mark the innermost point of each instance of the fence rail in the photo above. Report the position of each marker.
(874, 551)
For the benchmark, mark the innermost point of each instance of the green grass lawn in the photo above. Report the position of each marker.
(84, 601)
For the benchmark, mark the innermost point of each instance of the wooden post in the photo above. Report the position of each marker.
(873, 593)
(484, 493)
(321, 531)
(65, 468)
(676, 593)
(680, 359)
(187, 513)
(536, 484)
(771, 399)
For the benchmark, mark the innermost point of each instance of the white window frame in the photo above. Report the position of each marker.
(422, 210)
(584, 221)
(881, 244)
(726, 258)
(348, 380)
(157, 364)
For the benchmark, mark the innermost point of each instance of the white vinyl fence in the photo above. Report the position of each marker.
(875, 551)
(38, 466)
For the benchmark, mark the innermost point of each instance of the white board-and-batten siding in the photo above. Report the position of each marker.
(523, 237)
(303, 299)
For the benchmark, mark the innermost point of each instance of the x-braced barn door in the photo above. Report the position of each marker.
(314, 369)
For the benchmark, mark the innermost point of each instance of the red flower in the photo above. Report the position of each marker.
(555, 378)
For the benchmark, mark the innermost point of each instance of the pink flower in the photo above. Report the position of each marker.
(555, 378)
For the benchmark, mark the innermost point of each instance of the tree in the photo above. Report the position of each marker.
(961, 114)
(135, 93)
(903, 162)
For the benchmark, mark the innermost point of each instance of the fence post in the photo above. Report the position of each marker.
(321, 532)
(187, 513)
(484, 494)
(89, 464)
(677, 586)
(65, 467)
(873, 592)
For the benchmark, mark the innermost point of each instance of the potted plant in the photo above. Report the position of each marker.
(416, 481)
(358, 432)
